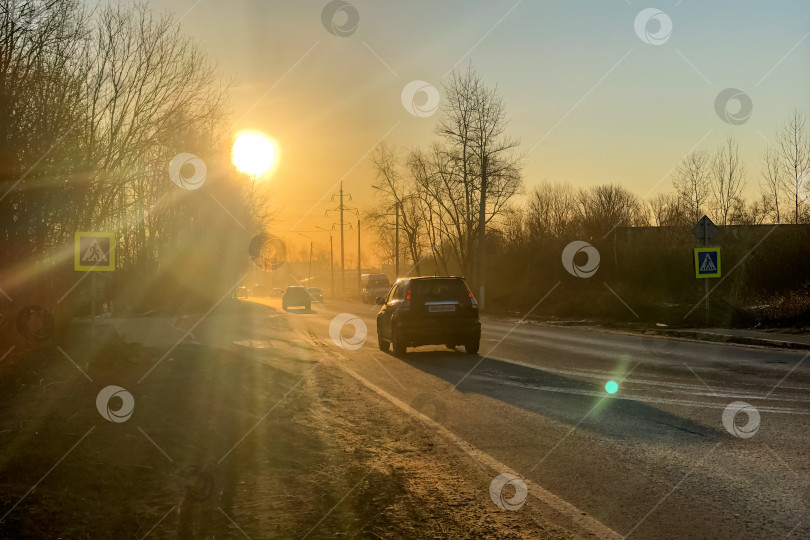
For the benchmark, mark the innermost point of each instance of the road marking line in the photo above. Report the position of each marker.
(628, 397)
(597, 374)
(560, 505)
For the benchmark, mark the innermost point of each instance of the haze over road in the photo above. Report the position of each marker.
(652, 461)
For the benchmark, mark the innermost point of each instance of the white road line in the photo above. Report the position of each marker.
(632, 397)
(670, 387)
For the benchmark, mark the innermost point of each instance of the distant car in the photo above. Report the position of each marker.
(316, 294)
(241, 292)
(259, 290)
(429, 311)
(373, 286)
(295, 296)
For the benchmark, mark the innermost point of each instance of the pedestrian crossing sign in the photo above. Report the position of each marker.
(94, 252)
(707, 262)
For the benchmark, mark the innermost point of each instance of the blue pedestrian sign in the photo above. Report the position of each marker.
(707, 262)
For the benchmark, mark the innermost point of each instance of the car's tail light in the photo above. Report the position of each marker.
(473, 301)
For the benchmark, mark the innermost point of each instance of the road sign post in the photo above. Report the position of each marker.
(94, 252)
(93, 289)
(706, 232)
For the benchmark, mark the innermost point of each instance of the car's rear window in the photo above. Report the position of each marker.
(378, 283)
(432, 290)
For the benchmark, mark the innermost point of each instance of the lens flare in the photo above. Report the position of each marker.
(611, 387)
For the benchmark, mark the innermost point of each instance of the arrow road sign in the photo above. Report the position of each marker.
(707, 262)
(94, 252)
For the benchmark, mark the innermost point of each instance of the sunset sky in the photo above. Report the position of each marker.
(589, 99)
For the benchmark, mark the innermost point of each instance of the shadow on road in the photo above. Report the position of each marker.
(300, 311)
(563, 399)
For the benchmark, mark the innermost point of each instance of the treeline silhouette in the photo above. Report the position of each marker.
(455, 207)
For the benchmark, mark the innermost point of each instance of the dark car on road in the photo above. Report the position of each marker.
(296, 296)
(373, 286)
(259, 291)
(429, 311)
(316, 294)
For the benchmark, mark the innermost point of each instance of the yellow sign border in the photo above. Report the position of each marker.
(698, 251)
(93, 268)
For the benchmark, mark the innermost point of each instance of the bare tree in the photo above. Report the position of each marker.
(602, 207)
(474, 125)
(692, 181)
(667, 210)
(793, 145)
(727, 179)
(756, 212)
(91, 113)
(551, 209)
(399, 195)
(151, 94)
(441, 187)
(771, 184)
(39, 89)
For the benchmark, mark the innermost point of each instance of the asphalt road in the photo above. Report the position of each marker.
(653, 460)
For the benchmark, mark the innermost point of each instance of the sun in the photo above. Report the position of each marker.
(254, 154)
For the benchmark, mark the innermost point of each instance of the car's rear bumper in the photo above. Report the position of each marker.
(455, 332)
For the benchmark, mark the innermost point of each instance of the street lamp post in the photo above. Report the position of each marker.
(396, 244)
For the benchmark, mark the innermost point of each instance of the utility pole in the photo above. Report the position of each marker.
(309, 273)
(342, 244)
(359, 268)
(331, 266)
(396, 244)
(342, 195)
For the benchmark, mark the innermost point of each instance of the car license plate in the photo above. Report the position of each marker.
(448, 307)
